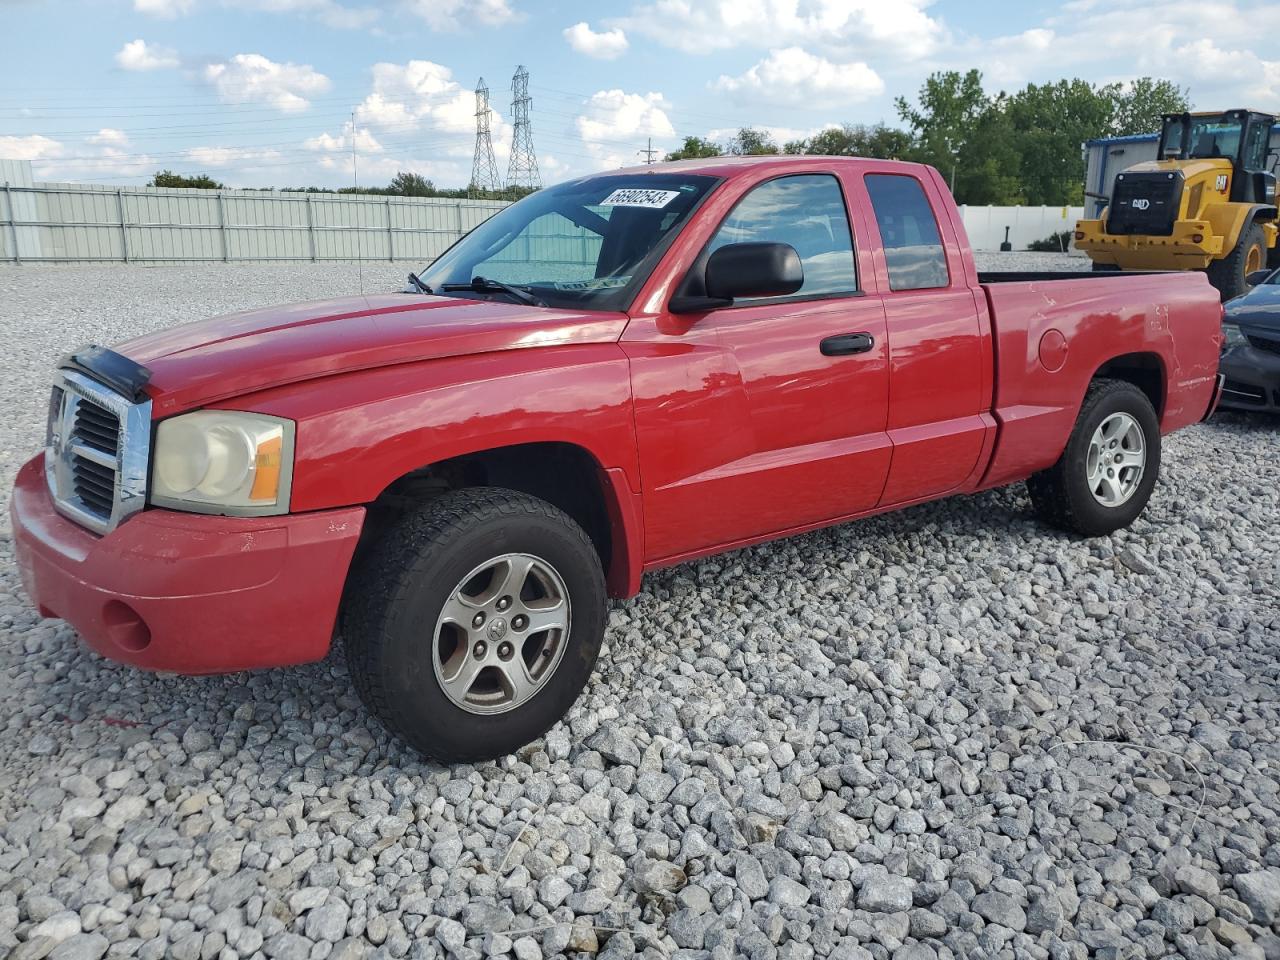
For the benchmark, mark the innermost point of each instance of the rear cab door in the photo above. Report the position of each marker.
(746, 428)
(940, 352)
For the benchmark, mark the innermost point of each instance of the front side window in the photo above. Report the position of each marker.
(587, 243)
(909, 231)
(1256, 145)
(808, 213)
(1171, 139)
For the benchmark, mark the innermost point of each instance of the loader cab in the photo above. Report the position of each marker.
(1242, 137)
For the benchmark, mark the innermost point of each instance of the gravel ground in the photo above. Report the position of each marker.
(946, 732)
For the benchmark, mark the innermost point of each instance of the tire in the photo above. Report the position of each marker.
(1064, 495)
(402, 645)
(1249, 254)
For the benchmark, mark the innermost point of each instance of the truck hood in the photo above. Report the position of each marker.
(1258, 309)
(211, 360)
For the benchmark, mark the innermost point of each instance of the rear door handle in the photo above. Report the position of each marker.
(847, 343)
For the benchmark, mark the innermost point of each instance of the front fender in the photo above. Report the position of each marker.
(1229, 220)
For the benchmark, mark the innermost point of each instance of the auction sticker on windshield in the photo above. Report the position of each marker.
(633, 197)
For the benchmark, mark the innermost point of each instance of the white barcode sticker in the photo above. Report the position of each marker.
(634, 197)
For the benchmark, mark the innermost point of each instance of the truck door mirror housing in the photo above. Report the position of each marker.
(740, 271)
(744, 270)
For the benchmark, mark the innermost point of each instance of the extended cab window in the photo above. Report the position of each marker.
(807, 212)
(912, 245)
(587, 243)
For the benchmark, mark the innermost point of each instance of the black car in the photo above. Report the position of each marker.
(1251, 353)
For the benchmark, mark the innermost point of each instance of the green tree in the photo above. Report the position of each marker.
(949, 109)
(1049, 122)
(695, 148)
(751, 142)
(167, 178)
(957, 128)
(1138, 106)
(855, 140)
(412, 185)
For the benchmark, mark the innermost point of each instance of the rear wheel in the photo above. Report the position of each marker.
(1249, 254)
(1105, 476)
(475, 622)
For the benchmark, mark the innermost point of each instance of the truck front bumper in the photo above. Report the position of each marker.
(186, 592)
(1178, 251)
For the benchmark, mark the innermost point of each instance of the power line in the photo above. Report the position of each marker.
(484, 168)
(522, 167)
(649, 152)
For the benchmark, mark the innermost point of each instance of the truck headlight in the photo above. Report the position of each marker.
(223, 461)
(1231, 336)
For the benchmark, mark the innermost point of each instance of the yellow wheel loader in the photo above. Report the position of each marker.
(1207, 202)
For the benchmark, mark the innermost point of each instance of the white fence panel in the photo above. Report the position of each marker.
(69, 222)
(84, 222)
(986, 225)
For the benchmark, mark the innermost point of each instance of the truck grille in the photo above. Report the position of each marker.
(96, 453)
(1144, 203)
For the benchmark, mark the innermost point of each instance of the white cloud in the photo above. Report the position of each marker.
(900, 29)
(614, 123)
(33, 147)
(423, 94)
(53, 160)
(1214, 48)
(222, 157)
(608, 45)
(139, 55)
(110, 137)
(794, 76)
(165, 9)
(328, 12)
(251, 76)
(327, 143)
(455, 14)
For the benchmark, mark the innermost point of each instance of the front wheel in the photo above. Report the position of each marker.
(475, 622)
(1105, 476)
(1229, 274)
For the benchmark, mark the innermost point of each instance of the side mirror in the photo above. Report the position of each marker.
(744, 270)
(1257, 277)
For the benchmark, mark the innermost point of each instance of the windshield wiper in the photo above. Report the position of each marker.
(413, 279)
(485, 285)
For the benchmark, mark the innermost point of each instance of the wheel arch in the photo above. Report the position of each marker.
(565, 474)
(1144, 369)
(1231, 219)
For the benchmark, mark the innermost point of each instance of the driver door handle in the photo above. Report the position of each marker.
(847, 343)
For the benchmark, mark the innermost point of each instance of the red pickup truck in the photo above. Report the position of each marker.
(613, 375)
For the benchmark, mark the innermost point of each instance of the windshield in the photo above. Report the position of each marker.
(587, 243)
(1214, 137)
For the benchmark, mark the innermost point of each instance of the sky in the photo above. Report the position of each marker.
(262, 92)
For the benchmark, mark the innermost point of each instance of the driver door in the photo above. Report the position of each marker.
(765, 416)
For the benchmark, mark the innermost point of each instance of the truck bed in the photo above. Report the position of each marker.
(1054, 332)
